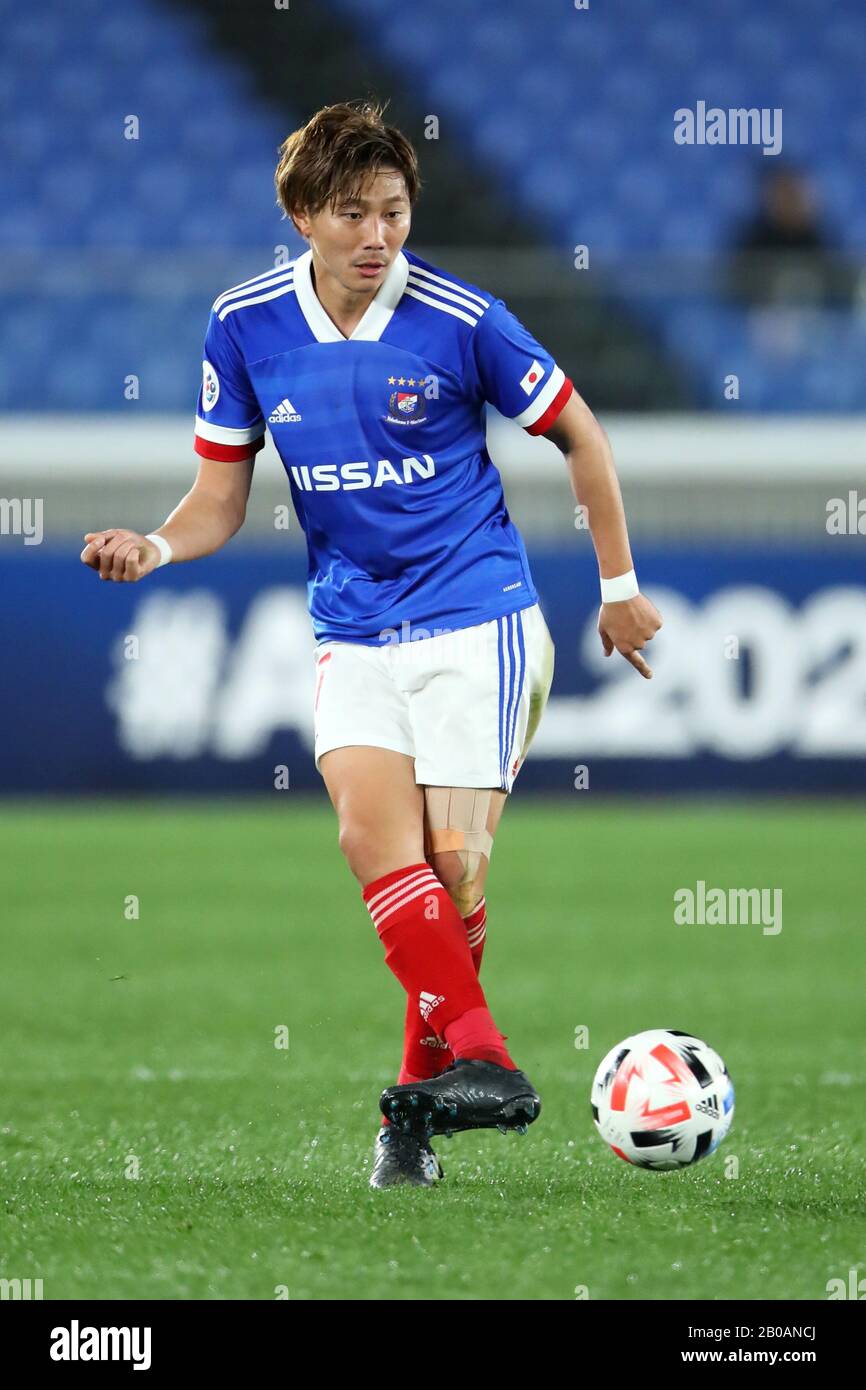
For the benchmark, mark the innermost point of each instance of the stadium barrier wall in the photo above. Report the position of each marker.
(201, 680)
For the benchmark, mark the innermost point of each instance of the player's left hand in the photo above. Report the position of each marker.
(628, 626)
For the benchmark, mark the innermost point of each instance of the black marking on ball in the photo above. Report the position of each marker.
(703, 1143)
(614, 1068)
(652, 1138)
(696, 1066)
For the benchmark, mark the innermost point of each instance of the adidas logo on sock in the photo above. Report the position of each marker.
(285, 414)
(428, 1002)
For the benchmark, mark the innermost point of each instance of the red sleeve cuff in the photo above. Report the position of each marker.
(227, 453)
(546, 420)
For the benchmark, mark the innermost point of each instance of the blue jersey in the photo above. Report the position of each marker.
(382, 436)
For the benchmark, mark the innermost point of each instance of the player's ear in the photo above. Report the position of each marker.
(301, 222)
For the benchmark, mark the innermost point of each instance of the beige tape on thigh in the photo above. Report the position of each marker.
(457, 819)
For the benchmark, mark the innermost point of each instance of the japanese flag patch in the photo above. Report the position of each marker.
(532, 378)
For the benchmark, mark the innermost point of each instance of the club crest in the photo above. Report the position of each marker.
(405, 405)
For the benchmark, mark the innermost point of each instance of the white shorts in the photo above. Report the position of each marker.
(464, 704)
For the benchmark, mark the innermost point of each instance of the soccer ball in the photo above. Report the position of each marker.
(662, 1099)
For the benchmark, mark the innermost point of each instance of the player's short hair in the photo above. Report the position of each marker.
(330, 157)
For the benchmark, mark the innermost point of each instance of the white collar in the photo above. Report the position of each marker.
(377, 315)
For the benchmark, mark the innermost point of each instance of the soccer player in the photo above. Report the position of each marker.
(433, 660)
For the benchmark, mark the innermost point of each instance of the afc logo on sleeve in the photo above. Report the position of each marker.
(532, 378)
(210, 386)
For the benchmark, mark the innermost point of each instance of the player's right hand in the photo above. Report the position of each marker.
(123, 556)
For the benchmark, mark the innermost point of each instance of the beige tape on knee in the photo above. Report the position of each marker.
(457, 820)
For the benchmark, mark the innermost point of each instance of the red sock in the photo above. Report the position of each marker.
(425, 1055)
(476, 933)
(463, 1035)
(426, 947)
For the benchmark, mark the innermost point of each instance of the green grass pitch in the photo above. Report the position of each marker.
(155, 1143)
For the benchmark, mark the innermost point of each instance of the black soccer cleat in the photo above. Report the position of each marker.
(467, 1095)
(403, 1160)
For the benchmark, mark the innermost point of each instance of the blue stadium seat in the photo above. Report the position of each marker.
(595, 93)
(570, 112)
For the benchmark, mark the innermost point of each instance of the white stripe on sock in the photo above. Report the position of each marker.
(378, 899)
(421, 891)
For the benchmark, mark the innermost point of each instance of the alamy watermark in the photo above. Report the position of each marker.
(854, 1288)
(20, 1290)
(22, 516)
(77, 1343)
(469, 646)
(738, 125)
(713, 907)
(846, 516)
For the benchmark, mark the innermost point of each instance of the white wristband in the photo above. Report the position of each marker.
(622, 587)
(162, 545)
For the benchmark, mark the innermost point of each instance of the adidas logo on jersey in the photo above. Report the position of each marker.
(428, 1002)
(285, 414)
